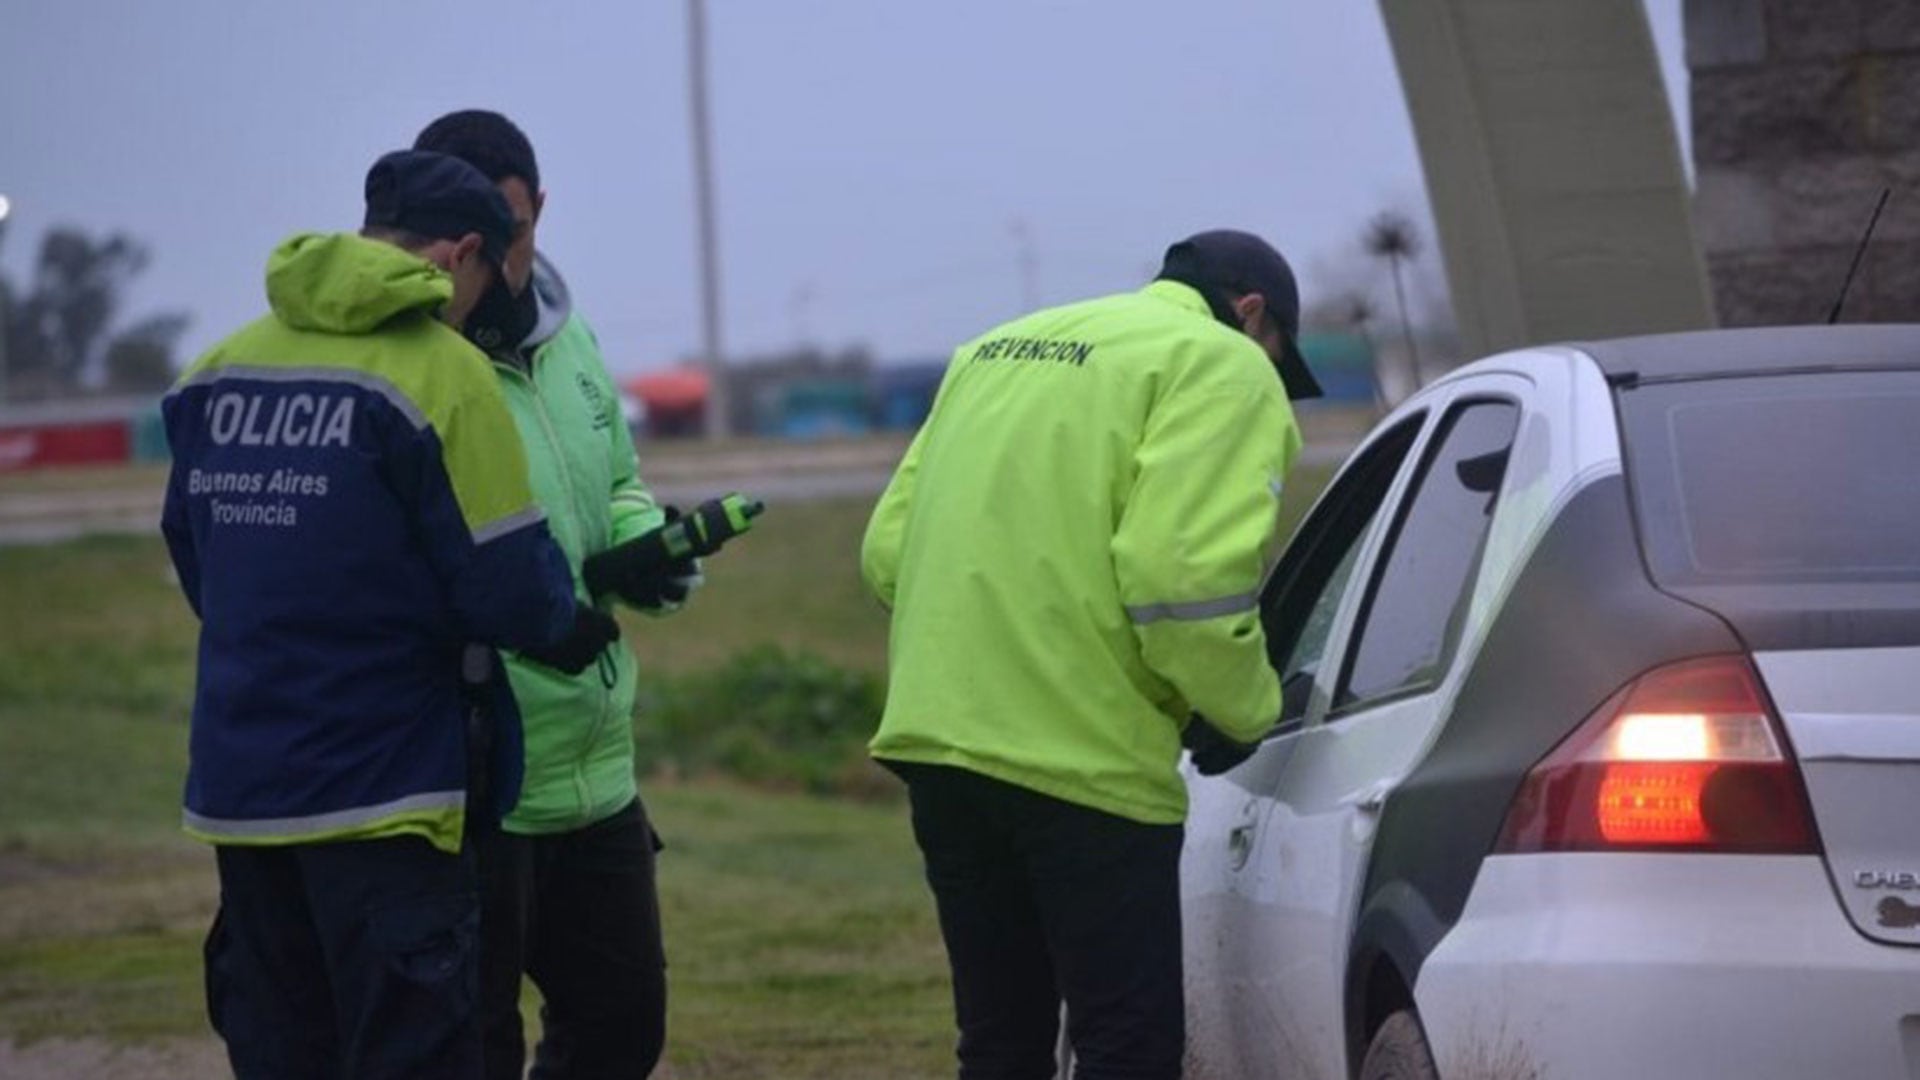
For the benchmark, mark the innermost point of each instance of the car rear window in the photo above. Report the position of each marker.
(1777, 478)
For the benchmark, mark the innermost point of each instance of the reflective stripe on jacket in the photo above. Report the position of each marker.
(1073, 549)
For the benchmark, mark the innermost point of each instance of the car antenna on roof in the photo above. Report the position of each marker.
(1866, 237)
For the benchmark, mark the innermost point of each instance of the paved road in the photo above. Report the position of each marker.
(41, 517)
(49, 517)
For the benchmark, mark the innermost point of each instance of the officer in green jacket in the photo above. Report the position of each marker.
(1072, 550)
(570, 893)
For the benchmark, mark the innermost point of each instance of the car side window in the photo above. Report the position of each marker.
(1303, 665)
(1303, 597)
(1411, 621)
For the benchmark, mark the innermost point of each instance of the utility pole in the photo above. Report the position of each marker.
(798, 305)
(718, 420)
(1406, 323)
(1029, 265)
(6, 309)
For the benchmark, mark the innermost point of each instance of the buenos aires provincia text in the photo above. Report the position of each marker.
(245, 497)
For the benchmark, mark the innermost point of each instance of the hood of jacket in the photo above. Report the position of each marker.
(342, 283)
(556, 303)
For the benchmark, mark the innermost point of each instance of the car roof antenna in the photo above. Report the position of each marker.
(1840, 301)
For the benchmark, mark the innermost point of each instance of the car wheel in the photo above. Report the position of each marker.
(1399, 1051)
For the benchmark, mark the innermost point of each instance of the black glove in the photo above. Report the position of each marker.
(649, 568)
(670, 588)
(593, 630)
(634, 571)
(1213, 753)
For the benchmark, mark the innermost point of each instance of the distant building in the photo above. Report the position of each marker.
(1344, 362)
(673, 401)
(81, 431)
(802, 394)
(905, 393)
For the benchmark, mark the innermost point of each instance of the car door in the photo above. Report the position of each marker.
(1235, 1024)
(1378, 697)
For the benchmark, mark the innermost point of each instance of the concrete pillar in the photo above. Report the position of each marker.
(1553, 166)
(1803, 110)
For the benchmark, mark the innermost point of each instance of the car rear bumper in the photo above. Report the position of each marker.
(1653, 966)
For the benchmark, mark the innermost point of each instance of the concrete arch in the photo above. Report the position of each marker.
(1553, 168)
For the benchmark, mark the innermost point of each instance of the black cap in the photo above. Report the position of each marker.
(1230, 261)
(440, 197)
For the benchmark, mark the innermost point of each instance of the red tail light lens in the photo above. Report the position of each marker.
(1653, 804)
(1688, 757)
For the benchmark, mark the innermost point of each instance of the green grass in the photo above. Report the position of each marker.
(800, 939)
(96, 673)
(800, 936)
(100, 898)
(793, 581)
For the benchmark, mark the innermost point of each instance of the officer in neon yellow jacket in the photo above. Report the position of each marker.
(1072, 550)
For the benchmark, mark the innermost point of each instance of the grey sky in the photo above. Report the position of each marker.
(872, 154)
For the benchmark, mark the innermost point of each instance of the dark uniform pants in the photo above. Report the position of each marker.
(579, 913)
(355, 959)
(1043, 901)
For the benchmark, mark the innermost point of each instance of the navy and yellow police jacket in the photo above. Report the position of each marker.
(348, 508)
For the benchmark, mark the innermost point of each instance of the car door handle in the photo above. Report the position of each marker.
(1240, 838)
(1240, 844)
(1372, 800)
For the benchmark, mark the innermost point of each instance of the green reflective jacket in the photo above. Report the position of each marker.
(580, 458)
(1073, 547)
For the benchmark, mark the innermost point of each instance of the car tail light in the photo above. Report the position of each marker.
(1688, 757)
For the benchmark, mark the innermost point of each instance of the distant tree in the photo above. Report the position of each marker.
(61, 333)
(1351, 310)
(1393, 237)
(8, 310)
(139, 360)
(1358, 314)
(1343, 307)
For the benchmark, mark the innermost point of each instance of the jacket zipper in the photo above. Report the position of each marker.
(580, 790)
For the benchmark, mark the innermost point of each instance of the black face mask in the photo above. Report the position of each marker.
(501, 321)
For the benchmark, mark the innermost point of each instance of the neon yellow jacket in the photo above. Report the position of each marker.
(1073, 547)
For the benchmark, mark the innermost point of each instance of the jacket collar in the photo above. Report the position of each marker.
(1181, 296)
(556, 302)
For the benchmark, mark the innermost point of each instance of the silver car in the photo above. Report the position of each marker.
(1601, 748)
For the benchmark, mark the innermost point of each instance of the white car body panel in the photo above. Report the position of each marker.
(1666, 967)
(1853, 716)
(1283, 844)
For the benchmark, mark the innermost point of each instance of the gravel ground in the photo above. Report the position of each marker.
(99, 1059)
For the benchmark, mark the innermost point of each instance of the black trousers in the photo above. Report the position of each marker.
(355, 960)
(579, 913)
(1042, 901)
